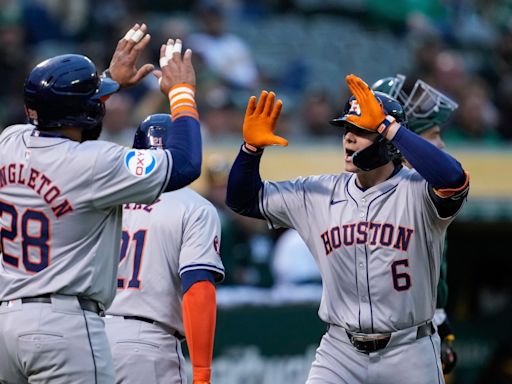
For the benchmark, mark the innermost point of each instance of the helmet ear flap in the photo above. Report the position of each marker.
(374, 156)
(94, 109)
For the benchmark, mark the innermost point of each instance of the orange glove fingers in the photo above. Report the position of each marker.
(269, 105)
(355, 88)
(260, 121)
(372, 113)
(261, 102)
(276, 112)
(278, 140)
(251, 107)
(362, 93)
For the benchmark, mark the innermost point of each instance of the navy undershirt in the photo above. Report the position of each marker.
(184, 143)
(437, 167)
(189, 278)
(244, 184)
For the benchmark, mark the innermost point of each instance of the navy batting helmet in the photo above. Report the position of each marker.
(381, 151)
(66, 91)
(152, 132)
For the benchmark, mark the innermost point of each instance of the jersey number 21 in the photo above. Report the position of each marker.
(138, 239)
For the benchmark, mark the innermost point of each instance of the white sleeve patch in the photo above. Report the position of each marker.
(140, 163)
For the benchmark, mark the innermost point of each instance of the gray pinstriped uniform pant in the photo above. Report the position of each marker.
(57, 343)
(405, 360)
(144, 353)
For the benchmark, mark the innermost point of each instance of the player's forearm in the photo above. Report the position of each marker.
(184, 139)
(199, 315)
(441, 170)
(244, 184)
(184, 143)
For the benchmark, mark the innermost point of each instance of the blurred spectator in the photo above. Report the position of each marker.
(13, 63)
(504, 103)
(426, 47)
(72, 16)
(317, 111)
(177, 27)
(477, 117)
(40, 24)
(449, 74)
(227, 55)
(117, 124)
(292, 262)
(246, 243)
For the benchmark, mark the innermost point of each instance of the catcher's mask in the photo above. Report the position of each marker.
(152, 132)
(66, 91)
(381, 151)
(425, 107)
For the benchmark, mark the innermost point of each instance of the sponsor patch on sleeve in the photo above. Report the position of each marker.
(140, 163)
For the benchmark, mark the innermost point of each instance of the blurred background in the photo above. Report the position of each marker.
(267, 326)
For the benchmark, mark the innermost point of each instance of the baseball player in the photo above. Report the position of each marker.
(427, 109)
(61, 196)
(168, 266)
(376, 232)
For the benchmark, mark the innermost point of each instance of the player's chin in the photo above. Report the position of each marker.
(350, 167)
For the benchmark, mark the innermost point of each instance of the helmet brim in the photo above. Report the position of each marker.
(343, 123)
(107, 87)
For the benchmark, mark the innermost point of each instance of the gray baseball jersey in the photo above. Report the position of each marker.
(61, 210)
(378, 250)
(180, 232)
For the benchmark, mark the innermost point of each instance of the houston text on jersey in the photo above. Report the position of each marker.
(367, 232)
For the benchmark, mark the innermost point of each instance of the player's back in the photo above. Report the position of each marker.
(60, 214)
(179, 232)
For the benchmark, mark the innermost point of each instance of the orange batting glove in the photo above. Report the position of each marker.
(200, 382)
(260, 121)
(372, 113)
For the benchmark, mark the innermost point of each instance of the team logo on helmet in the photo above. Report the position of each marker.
(140, 163)
(355, 109)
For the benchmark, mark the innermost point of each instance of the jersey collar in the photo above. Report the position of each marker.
(38, 133)
(390, 183)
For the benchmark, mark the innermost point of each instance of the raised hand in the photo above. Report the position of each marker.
(123, 67)
(260, 121)
(372, 113)
(175, 69)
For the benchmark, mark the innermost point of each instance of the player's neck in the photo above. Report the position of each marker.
(72, 133)
(376, 176)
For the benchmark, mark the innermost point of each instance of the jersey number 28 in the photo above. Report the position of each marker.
(35, 247)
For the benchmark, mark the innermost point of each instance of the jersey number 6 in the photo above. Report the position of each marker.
(38, 242)
(401, 280)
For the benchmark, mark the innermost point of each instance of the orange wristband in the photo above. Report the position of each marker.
(182, 102)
